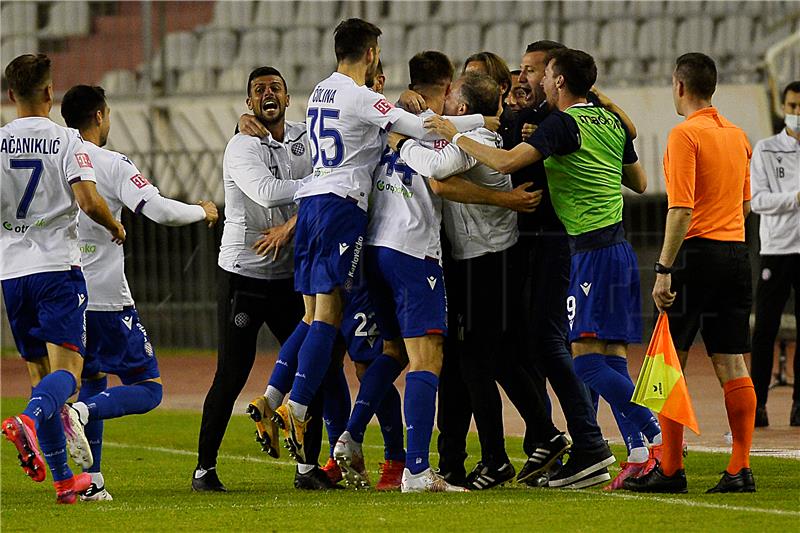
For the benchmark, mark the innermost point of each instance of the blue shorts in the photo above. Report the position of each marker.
(118, 344)
(359, 329)
(603, 301)
(48, 307)
(327, 245)
(407, 293)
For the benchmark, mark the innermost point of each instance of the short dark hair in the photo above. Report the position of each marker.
(793, 87)
(80, 105)
(543, 46)
(496, 67)
(353, 37)
(27, 73)
(577, 67)
(265, 71)
(481, 93)
(430, 68)
(698, 72)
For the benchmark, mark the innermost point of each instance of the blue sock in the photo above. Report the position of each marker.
(594, 370)
(312, 362)
(390, 417)
(94, 429)
(125, 400)
(336, 405)
(620, 364)
(49, 395)
(419, 408)
(632, 438)
(375, 383)
(595, 397)
(286, 365)
(54, 447)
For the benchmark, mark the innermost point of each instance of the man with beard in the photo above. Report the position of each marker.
(261, 176)
(587, 155)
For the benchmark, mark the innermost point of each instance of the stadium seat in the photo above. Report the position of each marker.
(232, 15)
(216, 49)
(581, 34)
(504, 40)
(618, 40)
(274, 15)
(734, 35)
(393, 44)
(499, 11)
(450, 12)
(683, 9)
(233, 79)
(656, 38)
(396, 76)
(645, 10)
(578, 10)
(259, 47)
(721, 8)
(18, 18)
(461, 40)
(420, 38)
(179, 50)
(195, 81)
(539, 31)
(12, 47)
(119, 82)
(315, 13)
(695, 35)
(610, 10)
(622, 73)
(301, 46)
(409, 12)
(67, 19)
(375, 12)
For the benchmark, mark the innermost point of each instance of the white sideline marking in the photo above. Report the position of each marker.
(578, 494)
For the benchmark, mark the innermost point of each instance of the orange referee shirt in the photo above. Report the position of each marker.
(707, 169)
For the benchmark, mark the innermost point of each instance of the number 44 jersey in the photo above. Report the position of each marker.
(38, 212)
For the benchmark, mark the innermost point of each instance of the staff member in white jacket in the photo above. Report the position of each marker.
(775, 182)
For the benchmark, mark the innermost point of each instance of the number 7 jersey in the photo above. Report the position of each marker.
(38, 212)
(344, 123)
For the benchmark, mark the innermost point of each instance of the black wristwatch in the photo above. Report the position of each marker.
(400, 144)
(661, 269)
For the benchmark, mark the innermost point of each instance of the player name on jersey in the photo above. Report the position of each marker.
(323, 95)
(30, 145)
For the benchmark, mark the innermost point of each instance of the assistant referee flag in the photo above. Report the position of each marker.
(661, 385)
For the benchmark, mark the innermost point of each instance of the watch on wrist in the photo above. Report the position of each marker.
(400, 145)
(661, 269)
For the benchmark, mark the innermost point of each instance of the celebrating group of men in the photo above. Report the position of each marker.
(332, 239)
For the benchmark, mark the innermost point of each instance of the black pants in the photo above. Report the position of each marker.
(778, 275)
(483, 294)
(243, 305)
(545, 285)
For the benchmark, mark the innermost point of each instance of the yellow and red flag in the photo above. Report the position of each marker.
(661, 386)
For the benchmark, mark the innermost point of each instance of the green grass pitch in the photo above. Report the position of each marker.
(148, 462)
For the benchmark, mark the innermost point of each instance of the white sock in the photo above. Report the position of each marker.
(274, 397)
(656, 440)
(97, 479)
(304, 469)
(638, 455)
(298, 409)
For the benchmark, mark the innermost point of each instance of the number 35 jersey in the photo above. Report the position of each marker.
(344, 123)
(38, 211)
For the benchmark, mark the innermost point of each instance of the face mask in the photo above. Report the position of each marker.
(792, 122)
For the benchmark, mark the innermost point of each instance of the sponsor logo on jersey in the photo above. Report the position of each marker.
(298, 149)
(586, 287)
(84, 161)
(22, 228)
(395, 189)
(383, 106)
(439, 144)
(140, 181)
(88, 248)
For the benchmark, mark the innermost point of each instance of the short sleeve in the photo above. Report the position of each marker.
(680, 168)
(377, 110)
(134, 189)
(629, 155)
(77, 165)
(558, 134)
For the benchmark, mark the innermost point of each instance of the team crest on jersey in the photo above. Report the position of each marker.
(140, 181)
(298, 149)
(383, 106)
(83, 160)
(241, 320)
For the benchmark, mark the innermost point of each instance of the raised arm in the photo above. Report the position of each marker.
(256, 180)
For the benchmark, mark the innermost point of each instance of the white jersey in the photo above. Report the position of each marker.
(121, 184)
(775, 182)
(473, 229)
(344, 124)
(404, 214)
(261, 177)
(40, 159)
